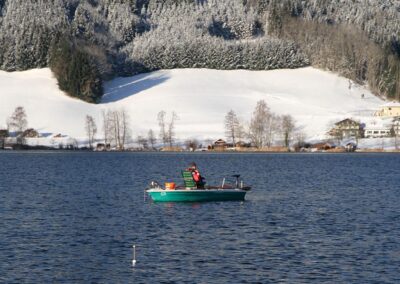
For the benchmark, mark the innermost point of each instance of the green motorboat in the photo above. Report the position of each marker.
(190, 193)
(196, 195)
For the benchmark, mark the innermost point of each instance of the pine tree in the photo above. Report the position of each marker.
(75, 70)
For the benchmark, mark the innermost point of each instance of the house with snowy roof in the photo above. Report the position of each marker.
(347, 128)
(220, 144)
(390, 109)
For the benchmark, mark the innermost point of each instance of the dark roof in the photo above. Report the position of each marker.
(347, 120)
(4, 133)
(220, 141)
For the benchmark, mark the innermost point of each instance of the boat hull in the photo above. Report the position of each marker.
(196, 195)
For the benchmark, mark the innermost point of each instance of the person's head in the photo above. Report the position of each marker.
(193, 165)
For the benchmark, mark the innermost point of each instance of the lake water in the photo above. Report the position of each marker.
(310, 218)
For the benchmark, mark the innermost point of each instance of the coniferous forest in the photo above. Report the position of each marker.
(86, 42)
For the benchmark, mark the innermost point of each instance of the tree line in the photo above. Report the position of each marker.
(117, 134)
(86, 42)
(265, 128)
(344, 48)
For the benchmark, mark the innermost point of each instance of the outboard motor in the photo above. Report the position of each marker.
(237, 180)
(239, 183)
(154, 185)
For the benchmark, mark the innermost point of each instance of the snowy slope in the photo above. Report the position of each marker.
(200, 97)
(48, 109)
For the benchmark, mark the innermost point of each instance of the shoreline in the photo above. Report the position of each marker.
(48, 149)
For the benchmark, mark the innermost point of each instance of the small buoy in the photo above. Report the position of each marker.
(134, 255)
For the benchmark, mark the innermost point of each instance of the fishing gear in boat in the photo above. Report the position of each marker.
(190, 191)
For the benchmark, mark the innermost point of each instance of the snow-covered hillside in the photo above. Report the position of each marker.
(200, 97)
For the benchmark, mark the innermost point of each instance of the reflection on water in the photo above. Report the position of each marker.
(73, 217)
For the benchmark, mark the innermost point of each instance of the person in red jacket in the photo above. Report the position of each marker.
(199, 180)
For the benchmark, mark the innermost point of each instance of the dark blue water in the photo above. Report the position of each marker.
(72, 218)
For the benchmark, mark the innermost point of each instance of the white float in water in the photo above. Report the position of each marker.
(134, 255)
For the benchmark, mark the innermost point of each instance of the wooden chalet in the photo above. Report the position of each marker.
(347, 128)
(220, 145)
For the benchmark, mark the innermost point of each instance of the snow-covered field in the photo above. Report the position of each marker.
(200, 97)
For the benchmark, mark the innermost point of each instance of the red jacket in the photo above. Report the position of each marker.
(196, 175)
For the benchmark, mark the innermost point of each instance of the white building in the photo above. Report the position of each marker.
(376, 132)
(378, 129)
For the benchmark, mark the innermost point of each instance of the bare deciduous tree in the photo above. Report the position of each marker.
(272, 127)
(167, 130)
(91, 130)
(120, 123)
(107, 127)
(258, 124)
(231, 126)
(18, 121)
(161, 123)
(241, 132)
(116, 128)
(171, 128)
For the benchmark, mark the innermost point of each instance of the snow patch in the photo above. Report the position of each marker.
(200, 97)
